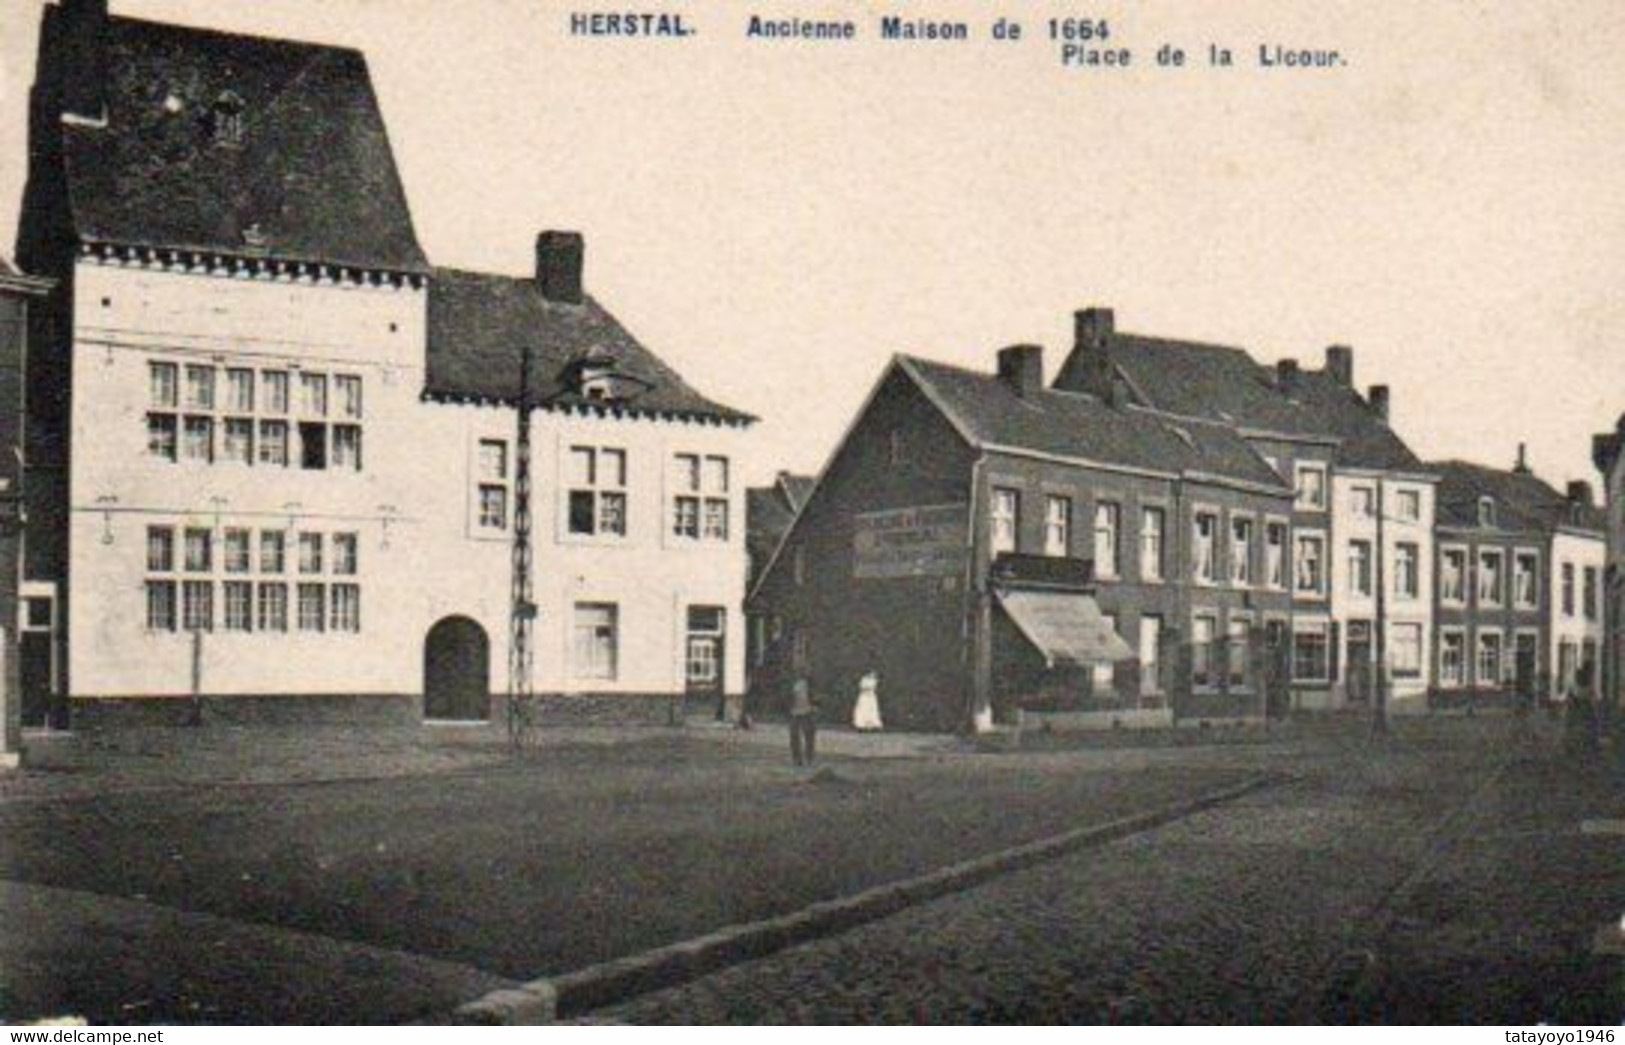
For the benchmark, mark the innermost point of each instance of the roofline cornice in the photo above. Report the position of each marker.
(266, 266)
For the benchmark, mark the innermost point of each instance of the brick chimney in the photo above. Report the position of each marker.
(1340, 364)
(1088, 367)
(1522, 465)
(82, 27)
(559, 258)
(1093, 326)
(1286, 374)
(1377, 397)
(1022, 368)
(1579, 493)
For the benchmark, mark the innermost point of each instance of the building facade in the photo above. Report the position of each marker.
(987, 545)
(1520, 600)
(1608, 454)
(1363, 507)
(274, 451)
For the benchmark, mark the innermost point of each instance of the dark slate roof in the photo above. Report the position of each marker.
(478, 324)
(314, 174)
(1524, 503)
(1081, 427)
(1227, 385)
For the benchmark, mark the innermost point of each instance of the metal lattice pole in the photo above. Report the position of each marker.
(522, 615)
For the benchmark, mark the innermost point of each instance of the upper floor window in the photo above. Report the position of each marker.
(1057, 525)
(1275, 555)
(1241, 550)
(1590, 593)
(597, 491)
(1108, 518)
(1204, 555)
(1006, 519)
(1363, 501)
(1453, 575)
(1408, 505)
(1360, 567)
(1526, 579)
(897, 447)
(491, 484)
(1486, 512)
(1153, 527)
(1311, 487)
(1491, 578)
(700, 503)
(238, 415)
(226, 119)
(1407, 574)
(1309, 556)
(1568, 589)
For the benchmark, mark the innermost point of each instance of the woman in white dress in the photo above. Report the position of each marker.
(866, 712)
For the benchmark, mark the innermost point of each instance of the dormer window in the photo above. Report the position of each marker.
(1486, 512)
(596, 376)
(226, 119)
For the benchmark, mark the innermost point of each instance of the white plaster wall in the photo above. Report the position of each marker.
(1582, 551)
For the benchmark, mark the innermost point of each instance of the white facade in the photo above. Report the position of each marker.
(396, 508)
(1576, 634)
(1406, 558)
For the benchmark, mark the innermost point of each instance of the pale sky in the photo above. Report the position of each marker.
(776, 219)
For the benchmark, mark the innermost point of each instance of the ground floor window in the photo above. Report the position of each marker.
(1237, 652)
(197, 605)
(1489, 658)
(1103, 676)
(346, 608)
(1311, 652)
(595, 649)
(1203, 630)
(1452, 658)
(1150, 656)
(239, 596)
(1405, 650)
(273, 607)
(161, 605)
(312, 607)
(1568, 658)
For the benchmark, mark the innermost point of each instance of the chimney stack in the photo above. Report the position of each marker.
(1022, 368)
(559, 259)
(1522, 467)
(1340, 364)
(1286, 374)
(1093, 326)
(1580, 493)
(1378, 399)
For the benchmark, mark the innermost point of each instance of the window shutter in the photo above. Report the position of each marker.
(1334, 650)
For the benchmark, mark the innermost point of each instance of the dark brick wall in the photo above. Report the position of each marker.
(1506, 618)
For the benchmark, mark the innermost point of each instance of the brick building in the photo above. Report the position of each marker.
(1362, 515)
(985, 543)
(272, 460)
(1608, 454)
(1519, 586)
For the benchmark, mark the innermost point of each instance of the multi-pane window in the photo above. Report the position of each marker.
(1203, 630)
(595, 645)
(1241, 550)
(1408, 505)
(1275, 555)
(1204, 554)
(1311, 487)
(1489, 658)
(1568, 589)
(1452, 658)
(1150, 655)
(492, 484)
(182, 589)
(312, 607)
(1525, 580)
(1405, 649)
(1491, 578)
(597, 491)
(1453, 575)
(1309, 558)
(239, 599)
(1360, 567)
(1153, 532)
(200, 412)
(1407, 572)
(1006, 519)
(1311, 651)
(700, 497)
(1589, 594)
(1057, 525)
(1108, 516)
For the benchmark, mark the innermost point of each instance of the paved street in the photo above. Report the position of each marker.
(1438, 877)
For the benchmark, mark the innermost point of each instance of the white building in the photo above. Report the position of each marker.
(285, 463)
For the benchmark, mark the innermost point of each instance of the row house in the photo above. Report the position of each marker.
(985, 544)
(272, 463)
(1363, 506)
(769, 511)
(1608, 455)
(1519, 595)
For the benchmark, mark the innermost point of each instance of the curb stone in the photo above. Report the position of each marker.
(595, 986)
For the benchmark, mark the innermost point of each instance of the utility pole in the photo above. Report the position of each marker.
(522, 610)
(1379, 641)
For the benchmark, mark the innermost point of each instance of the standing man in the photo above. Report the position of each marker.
(803, 722)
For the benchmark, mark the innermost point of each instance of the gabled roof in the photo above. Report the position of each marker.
(1082, 428)
(1226, 385)
(313, 179)
(1524, 503)
(769, 511)
(479, 323)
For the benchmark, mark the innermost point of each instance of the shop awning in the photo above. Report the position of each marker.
(1066, 627)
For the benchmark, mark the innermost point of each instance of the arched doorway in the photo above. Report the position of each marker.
(457, 671)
